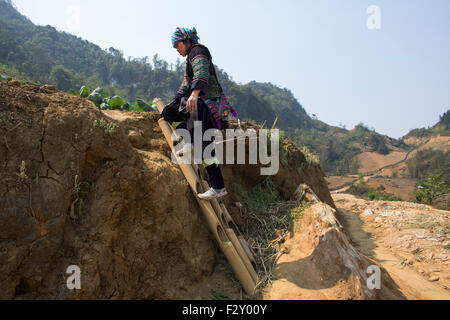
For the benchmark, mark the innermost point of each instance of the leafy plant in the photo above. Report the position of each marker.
(260, 196)
(116, 102)
(97, 96)
(363, 190)
(81, 190)
(103, 100)
(105, 106)
(311, 158)
(5, 78)
(142, 104)
(374, 195)
(219, 296)
(145, 106)
(22, 168)
(85, 91)
(432, 190)
(108, 127)
(298, 212)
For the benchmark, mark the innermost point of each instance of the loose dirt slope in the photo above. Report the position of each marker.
(372, 161)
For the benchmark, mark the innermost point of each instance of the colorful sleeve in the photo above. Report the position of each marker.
(183, 91)
(200, 67)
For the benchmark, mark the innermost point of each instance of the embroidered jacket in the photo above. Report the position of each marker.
(199, 74)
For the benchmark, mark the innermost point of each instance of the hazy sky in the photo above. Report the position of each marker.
(394, 78)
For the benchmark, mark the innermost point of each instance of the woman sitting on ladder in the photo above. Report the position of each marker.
(205, 102)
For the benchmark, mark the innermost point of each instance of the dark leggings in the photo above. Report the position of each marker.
(171, 115)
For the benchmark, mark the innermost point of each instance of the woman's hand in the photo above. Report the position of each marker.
(191, 104)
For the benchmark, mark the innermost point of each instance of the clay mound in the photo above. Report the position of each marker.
(99, 190)
(95, 191)
(320, 263)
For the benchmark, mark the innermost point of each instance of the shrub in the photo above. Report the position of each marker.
(432, 190)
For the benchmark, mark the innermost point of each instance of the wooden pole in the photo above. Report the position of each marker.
(275, 123)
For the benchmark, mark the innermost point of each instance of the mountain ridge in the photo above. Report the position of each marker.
(45, 55)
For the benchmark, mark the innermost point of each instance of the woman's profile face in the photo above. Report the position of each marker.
(182, 48)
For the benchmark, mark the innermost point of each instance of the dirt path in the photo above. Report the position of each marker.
(367, 238)
(345, 189)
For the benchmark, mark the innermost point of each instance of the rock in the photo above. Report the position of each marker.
(307, 193)
(433, 278)
(48, 89)
(368, 212)
(14, 83)
(136, 139)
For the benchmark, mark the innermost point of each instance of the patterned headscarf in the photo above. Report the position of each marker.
(181, 34)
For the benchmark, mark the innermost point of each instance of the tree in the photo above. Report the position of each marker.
(160, 63)
(445, 119)
(432, 190)
(179, 67)
(63, 78)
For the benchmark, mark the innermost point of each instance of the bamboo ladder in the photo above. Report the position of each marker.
(219, 220)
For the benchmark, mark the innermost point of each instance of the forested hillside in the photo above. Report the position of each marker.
(44, 55)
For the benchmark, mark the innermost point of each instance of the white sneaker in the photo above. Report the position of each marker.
(186, 149)
(213, 194)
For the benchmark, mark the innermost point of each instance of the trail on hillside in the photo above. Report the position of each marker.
(407, 239)
(379, 171)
